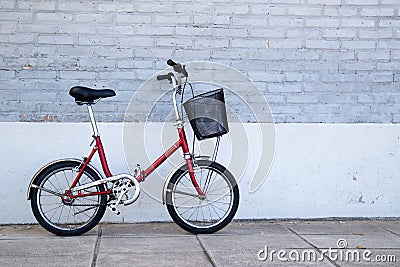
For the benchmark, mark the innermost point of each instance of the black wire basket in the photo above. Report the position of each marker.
(207, 114)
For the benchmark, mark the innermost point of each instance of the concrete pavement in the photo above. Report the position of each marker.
(242, 243)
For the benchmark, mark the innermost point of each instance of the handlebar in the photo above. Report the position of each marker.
(177, 67)
(165, 77)
(176, 80)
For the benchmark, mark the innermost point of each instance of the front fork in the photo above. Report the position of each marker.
(189, 160)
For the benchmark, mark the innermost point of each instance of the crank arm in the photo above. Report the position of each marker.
(47, 190)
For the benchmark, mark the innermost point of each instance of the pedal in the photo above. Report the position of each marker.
(114, 208)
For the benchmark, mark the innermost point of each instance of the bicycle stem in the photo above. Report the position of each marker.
(175, 86)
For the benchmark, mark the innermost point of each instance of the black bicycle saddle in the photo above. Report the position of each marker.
(88, 95)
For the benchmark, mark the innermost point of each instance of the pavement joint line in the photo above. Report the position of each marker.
(96, 247)
(311, 244)
(207, 252)
(390, 231)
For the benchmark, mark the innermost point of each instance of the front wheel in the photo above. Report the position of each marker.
(67, 216)
(197, 214)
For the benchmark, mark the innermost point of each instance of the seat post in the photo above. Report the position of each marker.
(92, 120)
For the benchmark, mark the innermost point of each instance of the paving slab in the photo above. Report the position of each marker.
(334, 227)
(238, 244)
(159, 250)
(46, 251)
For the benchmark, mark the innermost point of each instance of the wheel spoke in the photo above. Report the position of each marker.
(61, 214)
(193, 211)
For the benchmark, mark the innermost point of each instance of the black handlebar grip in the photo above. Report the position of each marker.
(171, 62)
(165, 76)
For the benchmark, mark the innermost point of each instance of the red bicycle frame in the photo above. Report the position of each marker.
(182, 142)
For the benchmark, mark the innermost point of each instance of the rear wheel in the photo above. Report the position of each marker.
(208, 214)
(62, 215)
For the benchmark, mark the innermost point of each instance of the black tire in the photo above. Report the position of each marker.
(182, 198)
(60, 217)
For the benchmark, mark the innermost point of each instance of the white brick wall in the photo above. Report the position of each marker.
(327, 61)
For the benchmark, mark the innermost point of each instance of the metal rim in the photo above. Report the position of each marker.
(60, 205)
(229, 192)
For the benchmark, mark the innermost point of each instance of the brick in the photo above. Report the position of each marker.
(343, 11)
(16, 16)
(337, 77)
(7, 4)
(389, 2)
(153, 7)
(389, 23)
(264, 76)
(174, 42)
(384, 77)
(267, 33)
(300, 33)
(230, 53)
(358, 23)
(302, 98)
(172, 20)
(249, 21)
(286, 22)
(377, 12)
(31, 28)
(325, 22)
(213, 43)
(55, 39)
(153, 30)
(97, 40)
(288, 1)
(253, 43)
(238, 9)
(270, 10)
(77, 6)
(78, 75)
(375, 34)
(17, 38)
(373, 55)
(133, 18)
(388, 66)
(94, 18)
(33, 74)
(8, 27)
(284, 88)
(358, 66)
(362, 2)
(231, 32)
(7, 74)
(389, 44)
(112, 52)
(266, 54)
(358, 44)
(304, 11)
(339, 33)
(116, 7)
(93, 63)
(37, 5)
(286, 43)
(325, 2)
(322, 44)
(54, 16)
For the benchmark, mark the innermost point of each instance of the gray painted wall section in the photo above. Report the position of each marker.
(327, 60)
